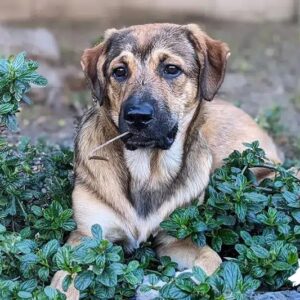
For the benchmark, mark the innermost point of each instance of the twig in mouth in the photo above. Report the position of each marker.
(92, 156)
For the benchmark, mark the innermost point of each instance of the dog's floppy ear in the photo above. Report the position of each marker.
(91, 63)
(212, 55)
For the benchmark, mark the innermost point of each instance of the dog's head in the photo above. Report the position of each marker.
(149, 77)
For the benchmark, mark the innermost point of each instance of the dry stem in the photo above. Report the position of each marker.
(92, 156)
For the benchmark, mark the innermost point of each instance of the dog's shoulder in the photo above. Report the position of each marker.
(93, 129)
(86, 120)
(227, 128)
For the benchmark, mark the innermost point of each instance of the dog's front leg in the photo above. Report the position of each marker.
(72, 293)
(186, 254)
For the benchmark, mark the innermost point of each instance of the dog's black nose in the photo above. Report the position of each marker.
(139, 115)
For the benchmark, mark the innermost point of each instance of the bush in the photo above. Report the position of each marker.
(258, 223)
(255, 225)
(16, 76)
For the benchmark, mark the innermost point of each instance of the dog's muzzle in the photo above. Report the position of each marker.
(149, 126)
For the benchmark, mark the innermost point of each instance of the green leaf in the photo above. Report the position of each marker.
(50, 292)
(225, 188)
(26, 246)
(229, 237)
(246, 237)
(290, 197)
(256, 197)
(232, 274)
(216, 243)
(199, 274)
(132, 265)
(36, 210)
(281, 266)
(292, 258)
(62, 257)
(297, 229)
(296, 215)
(28, 285)
(11, 122)
(26, 99)
(108, 278)
(241, 211)
(66, 214)
(169, 271)
(24, 295)
(203, 288)
(19, 61)
(199, 239)
(103, 292)
(43, 273)
(258, 271)
(199, 226)
(3, 66)
(113, 257)
(153, 279)
(40, 81)
(131, 279)
(2, 228)
(69, 225)
(259, 251)
(241, 249)
(97, 232)
(83, 280)
(50, 248)
(250, 284)
(66, 282)
(171, 291)
(6, 108)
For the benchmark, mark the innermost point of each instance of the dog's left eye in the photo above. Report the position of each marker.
(172, 71)
(120, 73)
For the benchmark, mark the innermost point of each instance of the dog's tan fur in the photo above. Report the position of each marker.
(208, 132)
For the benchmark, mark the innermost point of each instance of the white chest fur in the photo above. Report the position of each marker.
(167, 164)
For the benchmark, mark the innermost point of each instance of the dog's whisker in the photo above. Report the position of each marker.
(92, 156)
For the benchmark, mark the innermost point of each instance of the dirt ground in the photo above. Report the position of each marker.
(263, 72)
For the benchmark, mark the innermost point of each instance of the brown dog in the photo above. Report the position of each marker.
(151, 81)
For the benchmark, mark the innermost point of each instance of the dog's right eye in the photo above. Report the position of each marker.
(120, 73)
(171, 71)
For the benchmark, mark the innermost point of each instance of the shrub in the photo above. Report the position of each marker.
(16, 76)
(255, 225)
(258, 223)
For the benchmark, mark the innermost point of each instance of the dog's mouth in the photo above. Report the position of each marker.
(136, 140)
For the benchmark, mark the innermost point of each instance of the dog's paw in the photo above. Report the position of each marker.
(72, 293)
(209, 261)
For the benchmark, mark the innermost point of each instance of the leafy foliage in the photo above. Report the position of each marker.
(16, 76)
(255, 225)
(270, 121)
(257, 221)
(35, 189)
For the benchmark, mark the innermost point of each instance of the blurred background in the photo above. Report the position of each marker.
(263, 75)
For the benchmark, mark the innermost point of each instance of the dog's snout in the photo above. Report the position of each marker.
(139, 115)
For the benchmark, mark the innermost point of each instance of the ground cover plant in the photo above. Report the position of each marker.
(255, 226)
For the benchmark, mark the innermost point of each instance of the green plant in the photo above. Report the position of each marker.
(16, 76)
(270, 121)
(255, 225)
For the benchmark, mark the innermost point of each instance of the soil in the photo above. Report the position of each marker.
(263, 71)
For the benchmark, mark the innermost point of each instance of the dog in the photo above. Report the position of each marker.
(155, 82)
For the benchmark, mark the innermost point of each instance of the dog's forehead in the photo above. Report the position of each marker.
(142, 40)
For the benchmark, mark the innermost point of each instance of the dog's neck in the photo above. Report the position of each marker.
(155, 167)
